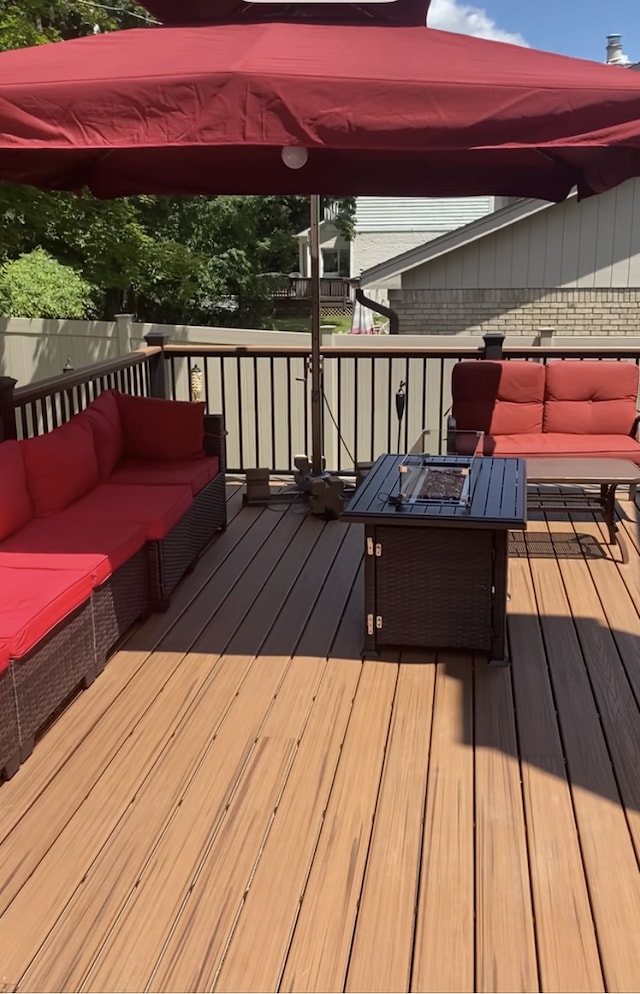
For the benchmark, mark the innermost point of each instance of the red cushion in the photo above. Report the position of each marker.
(161, 429)
(15, 504)
(591, 397)
(156, 509)
(498, 397)
(104, 417)
(96, 547)
(194, 473)
(4, 656)
(565, 445)
(34, 601)
(61, 466)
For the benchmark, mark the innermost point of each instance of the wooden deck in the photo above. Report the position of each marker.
(239, 803)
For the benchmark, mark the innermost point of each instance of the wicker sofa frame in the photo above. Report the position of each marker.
(34, 688)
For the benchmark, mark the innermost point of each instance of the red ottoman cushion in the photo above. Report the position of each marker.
(4, 656)
(34, 601)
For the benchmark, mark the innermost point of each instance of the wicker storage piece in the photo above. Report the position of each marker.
(9, 732)
(168, 560)
(119, 602)
(172, 556)
(208, 514)
(422, 604)
(215, 443)
(47, 676)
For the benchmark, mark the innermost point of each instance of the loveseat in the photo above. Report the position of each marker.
(564, 408)
(99, 520)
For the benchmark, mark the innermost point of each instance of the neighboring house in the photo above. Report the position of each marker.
(406, 248)
(573, 267)
(385, 226)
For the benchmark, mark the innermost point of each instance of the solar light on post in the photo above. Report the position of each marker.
(196, 383)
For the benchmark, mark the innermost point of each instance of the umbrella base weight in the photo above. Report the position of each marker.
(325, 494)
(258, 490)
(323, 491)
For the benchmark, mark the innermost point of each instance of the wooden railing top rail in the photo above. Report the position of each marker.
(295, 351)
(33, 392)
(408, 351)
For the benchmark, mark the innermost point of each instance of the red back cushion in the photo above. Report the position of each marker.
(499, 398)
(591, 397)
(104, 417)
(161, 429)
(61, 466)
(15, 503)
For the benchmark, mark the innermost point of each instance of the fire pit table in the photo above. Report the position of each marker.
(436, 536)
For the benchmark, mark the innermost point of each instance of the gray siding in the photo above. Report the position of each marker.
(595, 243)
(419, 213)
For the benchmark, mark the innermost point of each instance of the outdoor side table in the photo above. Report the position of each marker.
(436, 573)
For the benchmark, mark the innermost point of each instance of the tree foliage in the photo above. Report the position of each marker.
(166, 259)
(37, 286)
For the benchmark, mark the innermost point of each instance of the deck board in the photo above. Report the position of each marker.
(383, 941)
(506, 956)
(318, 956)
(444, 938)
(240, 803)
(565, 934)
(610, 864)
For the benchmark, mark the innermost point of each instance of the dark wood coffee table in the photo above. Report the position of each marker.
(436, 573)
(606, 474)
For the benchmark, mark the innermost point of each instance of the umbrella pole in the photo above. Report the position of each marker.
(316, 359)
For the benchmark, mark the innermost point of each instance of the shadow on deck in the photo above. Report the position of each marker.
(240, 803)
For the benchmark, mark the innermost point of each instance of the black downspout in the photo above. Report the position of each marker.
(394, 320)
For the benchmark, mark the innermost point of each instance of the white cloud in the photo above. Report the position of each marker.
(449, 15)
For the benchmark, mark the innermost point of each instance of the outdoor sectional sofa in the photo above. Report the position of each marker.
(565, 408)
(99, 520)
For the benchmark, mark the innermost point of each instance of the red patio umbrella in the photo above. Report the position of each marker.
(380, 103)
(380, 109)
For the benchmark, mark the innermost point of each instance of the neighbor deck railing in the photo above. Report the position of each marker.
(264, 394)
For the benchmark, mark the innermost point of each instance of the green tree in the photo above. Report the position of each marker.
(35, 22)
(38, 286)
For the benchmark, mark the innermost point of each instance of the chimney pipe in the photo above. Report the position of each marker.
(614, 50)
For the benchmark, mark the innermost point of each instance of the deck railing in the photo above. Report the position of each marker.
(264, 394)
(336, 288)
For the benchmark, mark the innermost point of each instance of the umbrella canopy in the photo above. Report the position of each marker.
(389, 12)
(208, 109)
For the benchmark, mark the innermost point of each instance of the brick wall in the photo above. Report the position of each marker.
(597, 312)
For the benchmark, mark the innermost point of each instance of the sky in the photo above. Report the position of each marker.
(570, 27)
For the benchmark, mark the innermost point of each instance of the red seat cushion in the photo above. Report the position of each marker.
(156, 509)
(34, 601)
(498, 397)
(194, 473)
(161, 429)
(4, 656)
(104, 417)
(591, 398)
(16, 508)
(96, 547)
(61, 466)
(564, 445)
